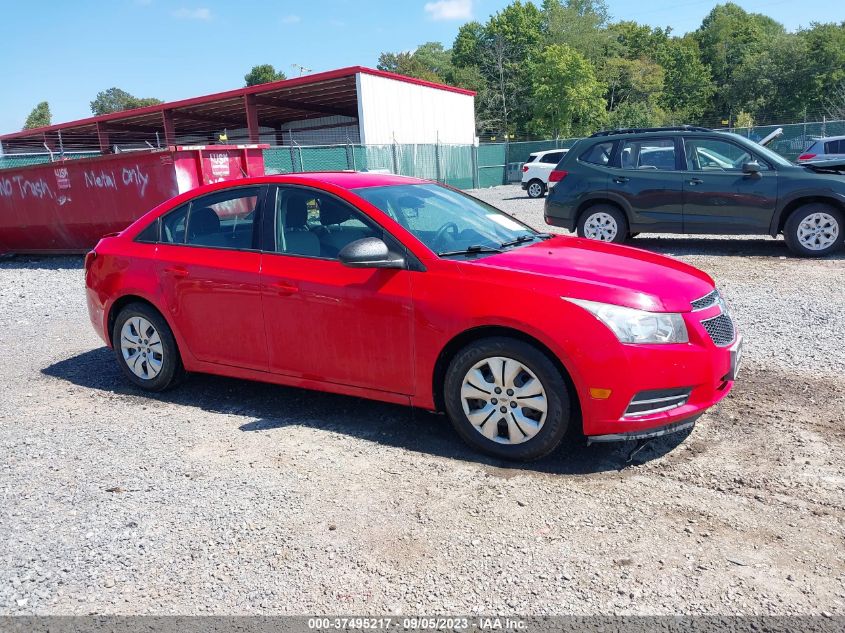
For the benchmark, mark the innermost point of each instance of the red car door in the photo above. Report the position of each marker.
(326, 321)
(208, 267)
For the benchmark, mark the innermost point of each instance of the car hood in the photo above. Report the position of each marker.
(597, 271)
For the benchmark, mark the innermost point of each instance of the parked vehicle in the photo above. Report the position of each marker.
(406, 291)
(536, 170)
(694, 180)
(830, 148)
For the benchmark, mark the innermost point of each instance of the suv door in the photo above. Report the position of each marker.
(208, 263)
(718, 196)
(646, 179)
(326, 321)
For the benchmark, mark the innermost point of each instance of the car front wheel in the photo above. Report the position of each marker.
(507, 399)
(603, 223)
(536, 189)
(814, 230)
(145, 348)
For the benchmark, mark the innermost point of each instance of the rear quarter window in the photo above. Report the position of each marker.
(598, 154)
(834, 147)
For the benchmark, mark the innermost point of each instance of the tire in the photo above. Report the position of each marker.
(536, 188)
(603, 222)
(160, 375)
(814, 230)
(520, 433)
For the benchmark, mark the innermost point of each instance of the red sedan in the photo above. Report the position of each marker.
(406, 291)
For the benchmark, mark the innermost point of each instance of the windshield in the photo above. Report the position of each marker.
(448, 222)
(764, 151)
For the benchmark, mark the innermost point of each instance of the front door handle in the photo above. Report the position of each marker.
(285, 288)
(621, 180)
(177, 271)
(695, 181)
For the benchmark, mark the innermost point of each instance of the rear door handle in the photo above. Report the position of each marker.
(621, 180)
(285, 288)
(177, 271)
(695, 181)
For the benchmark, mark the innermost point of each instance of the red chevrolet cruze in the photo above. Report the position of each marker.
(406, 291)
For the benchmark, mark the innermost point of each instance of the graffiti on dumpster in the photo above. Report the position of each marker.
(18, 185)
(129, 176)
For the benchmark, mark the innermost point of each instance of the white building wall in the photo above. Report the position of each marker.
(391, 110)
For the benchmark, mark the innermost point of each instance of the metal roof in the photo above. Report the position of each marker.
(331, 93)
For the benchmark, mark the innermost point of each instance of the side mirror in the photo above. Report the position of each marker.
(751, 167)
(370, 252)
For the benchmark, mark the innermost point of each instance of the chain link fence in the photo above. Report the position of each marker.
(461, 166)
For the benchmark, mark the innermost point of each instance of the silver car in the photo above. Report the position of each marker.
(829, 148)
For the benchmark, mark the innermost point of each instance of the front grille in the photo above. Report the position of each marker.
(720, 329)
(705, 302)
(655, 401)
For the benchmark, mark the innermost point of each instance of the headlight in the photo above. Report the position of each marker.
(637, 326)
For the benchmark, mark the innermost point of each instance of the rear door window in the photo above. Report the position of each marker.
(834, 147)
(554, 157)
(650, 154)
(598, 154)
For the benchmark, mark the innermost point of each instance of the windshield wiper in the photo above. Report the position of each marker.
(471, 250)
(526, 238)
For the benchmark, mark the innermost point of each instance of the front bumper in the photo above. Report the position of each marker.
(702, 371)
(645, 434)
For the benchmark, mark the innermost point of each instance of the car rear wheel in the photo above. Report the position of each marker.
(814, 230)
(507, 399)
(145, 348)
(603, 223)
(536, 189)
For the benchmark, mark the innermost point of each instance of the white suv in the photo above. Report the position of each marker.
(535, 172)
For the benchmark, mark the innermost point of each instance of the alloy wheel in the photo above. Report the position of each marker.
(504, 400)
(601, 226)
(818, 231)
(535, 190)
(141, 347)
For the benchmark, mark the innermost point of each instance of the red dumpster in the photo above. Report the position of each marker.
(66, 206)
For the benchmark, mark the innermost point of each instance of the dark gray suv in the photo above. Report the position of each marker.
(694, 180)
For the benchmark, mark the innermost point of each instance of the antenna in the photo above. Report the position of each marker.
(302, 69)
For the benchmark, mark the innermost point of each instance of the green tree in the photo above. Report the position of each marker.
(117, 100)
(262, 74)
(39, 117)
(826, 53)
(568, 99)
(639, 80)
(727, 37)
(638, 114)
(639, 41)
(430, 61)
(581, 24)
(687, 85)
(468, 45)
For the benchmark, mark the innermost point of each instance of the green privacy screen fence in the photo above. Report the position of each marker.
(461, 166)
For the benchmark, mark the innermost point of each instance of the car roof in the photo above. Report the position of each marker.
(829, 138)
(350, 179)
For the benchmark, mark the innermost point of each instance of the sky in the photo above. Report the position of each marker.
(66, 52)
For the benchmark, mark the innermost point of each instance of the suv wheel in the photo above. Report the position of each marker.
(507, 399)
(814, 230)
(604, 223)
(535, 189)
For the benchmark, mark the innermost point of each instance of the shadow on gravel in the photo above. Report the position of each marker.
(271, 408)
(720, 247)
(52, 262)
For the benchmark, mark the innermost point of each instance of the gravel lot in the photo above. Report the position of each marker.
(226, 496)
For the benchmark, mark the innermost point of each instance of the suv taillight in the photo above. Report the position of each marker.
(557, 175)
(525, 168)
(806, 156)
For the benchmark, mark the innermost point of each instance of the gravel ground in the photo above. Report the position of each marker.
(225, 496)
